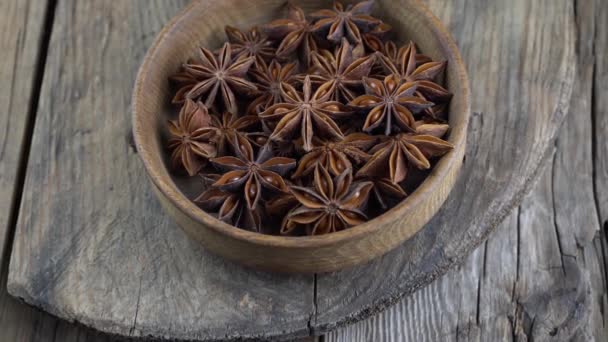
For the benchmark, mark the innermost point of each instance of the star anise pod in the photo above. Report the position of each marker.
(349, 22)
(251, 176)
(407, 67)
(189, 141)
(437, 130)
(336, 156)
(373, 40)
(184, 81)
(284, 148)
(384, 192)
(390, 102)
(393, 157)
(341, 70)
(390, 50)
(227, 128)
(220, 74)
(311, 114)
(436, 112)
(270, 80)
(251, 43)
(231, 208)
(294, 32)
(279, 206)
(332, 205)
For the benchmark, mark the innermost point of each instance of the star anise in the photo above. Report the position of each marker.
(332, 205)
(384, 192)
(301, 158)
(393, 157)
(279, 206)
(311, 114)
(408, 67)
(349, 22)
(185, 81)
(227, 128)
(341, 70)
(294, 32)
(231, 209)
(373, 40)
(390, 102)
(336, 156)
(270, 80)
(390, 50)
(219, 74)
(251, 176)
(189, 141)
(250, 43)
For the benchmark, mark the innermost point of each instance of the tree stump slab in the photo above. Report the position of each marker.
(84, 250)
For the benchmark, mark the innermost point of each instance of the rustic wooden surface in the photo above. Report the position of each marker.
(521, 87)
(100, 257)
(541, 275)
(20, 34)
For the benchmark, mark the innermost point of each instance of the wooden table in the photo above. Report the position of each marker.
(540, 276)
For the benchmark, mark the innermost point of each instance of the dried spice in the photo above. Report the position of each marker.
(310, 114)
(251, 176)
(336, 156)
(295, 34)
(270, 80)
(228, 128)
(390, 103)
(341, 71)
(308, 125)
(219, 74)
(190, 143)
(330, 206)
(251, 43)
(349, 22)
(393, 157)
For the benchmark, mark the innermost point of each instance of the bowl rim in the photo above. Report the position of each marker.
(413, 200)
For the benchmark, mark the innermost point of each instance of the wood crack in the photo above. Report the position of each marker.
(554, 212)
(132, 330)
(312, 321)
(480, 280)
(594, 137)
(518, 254)
(29, 126)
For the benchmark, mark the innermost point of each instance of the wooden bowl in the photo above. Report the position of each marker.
(202, 23)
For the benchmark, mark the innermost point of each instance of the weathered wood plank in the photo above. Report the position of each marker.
(113, 260)
(543, 272)
(600, 113)
(521, 86)
(20, 35)
(600, 143)
(453, 308)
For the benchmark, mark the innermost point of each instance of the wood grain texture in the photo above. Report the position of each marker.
(521, 86)
(547, 281)
(20, 42)
(117, 263)
(96, 246)
(20, 35)
(22, 38)
(600, 112)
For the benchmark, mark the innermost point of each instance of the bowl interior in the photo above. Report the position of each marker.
(202, 24)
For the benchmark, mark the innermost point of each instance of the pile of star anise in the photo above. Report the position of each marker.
(308, 124)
